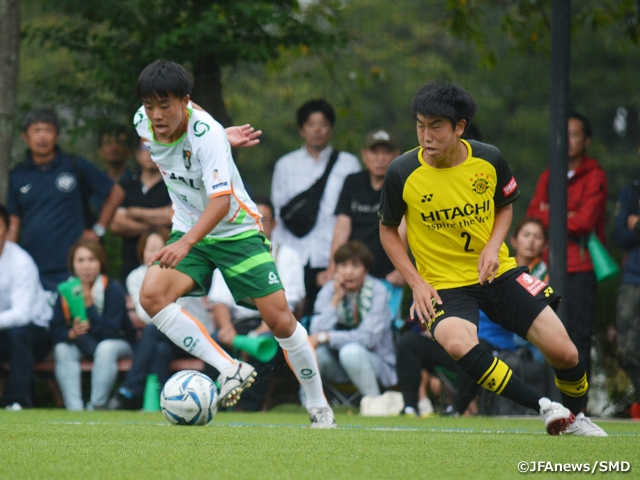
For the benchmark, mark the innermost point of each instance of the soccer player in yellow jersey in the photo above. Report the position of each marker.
(456, 197)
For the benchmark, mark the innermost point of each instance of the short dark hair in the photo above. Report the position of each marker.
(163, 78)
(40, 115)
(264, 200)
(4, 215)
(586, 124)
(526, 220)
(115, 130)
(444, 100)
(355, 251)
(313, 106)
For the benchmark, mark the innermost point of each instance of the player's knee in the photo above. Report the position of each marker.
(458, 347)
(565, 357)
(151, 300)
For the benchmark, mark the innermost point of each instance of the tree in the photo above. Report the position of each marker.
(113, 41)
(9, 54)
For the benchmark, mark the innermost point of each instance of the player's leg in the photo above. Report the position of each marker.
(460, 339)
(160, 290)
(299, 354)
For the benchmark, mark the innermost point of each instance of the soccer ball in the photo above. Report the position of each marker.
(189, 398)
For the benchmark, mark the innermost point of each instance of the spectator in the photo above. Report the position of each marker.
(24, 319)
(586, 201)
(115, 146)
(295, 173)
(146, 205)
(627, 236)
(351, 328)
(105, 336)
(456, 197)
(357, 211)
(49, 199)
(154, 351)
(232, 319)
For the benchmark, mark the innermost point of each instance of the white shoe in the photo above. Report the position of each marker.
(425, 407)
(14, 407)
(233, 381)
(322, 417)
(556, 417)
(584, 427)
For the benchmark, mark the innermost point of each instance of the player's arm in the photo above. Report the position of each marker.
(215, 211)
(423, 292)
(488, 262)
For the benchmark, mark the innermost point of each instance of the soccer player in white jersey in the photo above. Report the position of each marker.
(215, 225)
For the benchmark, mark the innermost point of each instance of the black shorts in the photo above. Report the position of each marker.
(513, 300)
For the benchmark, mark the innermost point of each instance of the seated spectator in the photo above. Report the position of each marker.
(146, 206)
(351, 328)
(357, 212)
(232, 319)
(24, 319)
(105, 336)
(154, 351)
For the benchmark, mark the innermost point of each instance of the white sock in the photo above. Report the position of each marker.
(189, 334)
(302, 360)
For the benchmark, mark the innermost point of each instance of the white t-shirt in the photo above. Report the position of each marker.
(22, 299)
(198, 167)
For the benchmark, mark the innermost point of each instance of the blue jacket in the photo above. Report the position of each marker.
(48, 202)
(113, 323)
(628, 239)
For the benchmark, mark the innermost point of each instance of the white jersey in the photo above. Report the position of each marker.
(198, 167)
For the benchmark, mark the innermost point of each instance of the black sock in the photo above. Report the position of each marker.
(573, 386)
(494, 375)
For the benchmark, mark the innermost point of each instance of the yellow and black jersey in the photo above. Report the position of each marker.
(449, 211)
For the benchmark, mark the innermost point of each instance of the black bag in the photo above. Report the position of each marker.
(301, 212)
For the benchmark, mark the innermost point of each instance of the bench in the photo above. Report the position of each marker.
(45, 368)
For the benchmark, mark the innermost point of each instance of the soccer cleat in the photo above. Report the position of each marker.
(556, 417)
(233, 381)
(322, 417)
(584, 427)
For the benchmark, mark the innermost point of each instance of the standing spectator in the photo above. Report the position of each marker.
(627, 236)
(456, 197)
(352, 327)
(49, 199)
(24, 319)
(115, 146)
(586, 201)
(357, 211)
(295, 173)
(105, 336)
(233, 319)
(146, 205)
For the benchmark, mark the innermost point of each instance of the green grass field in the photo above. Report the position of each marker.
(57, 444)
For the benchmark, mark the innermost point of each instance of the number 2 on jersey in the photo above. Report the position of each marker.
(467, 236)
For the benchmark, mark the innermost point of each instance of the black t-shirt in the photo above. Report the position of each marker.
(361, 202)
(136, 196)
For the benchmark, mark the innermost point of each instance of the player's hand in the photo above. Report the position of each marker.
(170, 255)
(488, 265)
(227, 334)
(395, 278)
(243, 136)
(425, 298)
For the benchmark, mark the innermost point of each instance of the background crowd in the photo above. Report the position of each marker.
(62, 210)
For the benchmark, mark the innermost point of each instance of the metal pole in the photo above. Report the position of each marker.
(558, 143)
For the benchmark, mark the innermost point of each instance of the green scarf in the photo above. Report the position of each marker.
(349, 317)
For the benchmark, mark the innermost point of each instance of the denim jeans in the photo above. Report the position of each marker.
(103, 374)
(353, 363)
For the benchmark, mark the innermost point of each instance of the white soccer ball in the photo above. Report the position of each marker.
(189, 398)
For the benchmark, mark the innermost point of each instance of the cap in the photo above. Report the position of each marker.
(380, 137)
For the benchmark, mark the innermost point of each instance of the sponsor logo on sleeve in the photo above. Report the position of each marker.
(510, 187)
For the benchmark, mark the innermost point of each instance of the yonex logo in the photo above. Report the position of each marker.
(427, 198)
(200, 128)
(187, 342)
(190, 343)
